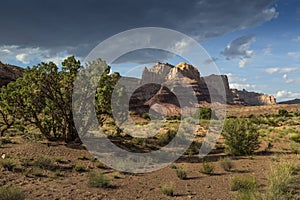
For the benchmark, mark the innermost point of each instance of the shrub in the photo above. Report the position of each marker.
(280, 177)
(226, 164)
(206, 113)
(146, 116)
(294, 147)
(11, 193)
(283, 113)
(98, 180)
(295, 137)
(241, 137)
(181, 174)
(248, 195)
(8, 164)
(43, 162)
(245, 183)
(36, 171)
(168, 189)
(207, 168)
(165, 138)
(80, 168)
(173, 166)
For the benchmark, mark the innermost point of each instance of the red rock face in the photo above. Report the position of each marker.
(9, 73)
(203, 87)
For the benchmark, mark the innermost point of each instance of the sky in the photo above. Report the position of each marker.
(255, 43)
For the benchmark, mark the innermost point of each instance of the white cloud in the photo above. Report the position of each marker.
(235, 78)
(287, 80)
(274, 70)
(241, 86)
(243, 62)
(294, 54)
(237, 82)
(23, 58)
(283, 95)
(240, 48)
(30, 54)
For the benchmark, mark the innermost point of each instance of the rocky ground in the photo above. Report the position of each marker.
(66, 176)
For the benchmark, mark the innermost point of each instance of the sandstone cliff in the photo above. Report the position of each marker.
(153, 92)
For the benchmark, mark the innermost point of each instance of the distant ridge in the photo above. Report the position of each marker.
(294, 101)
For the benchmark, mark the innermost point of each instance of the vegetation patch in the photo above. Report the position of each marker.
(98, 180)
(11, 193)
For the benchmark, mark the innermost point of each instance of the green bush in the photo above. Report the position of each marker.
(181, 174)
(283, 113)
(146, 116)
(241, 137)
(207, 168)
(8, 164)
(44, 162)
(206, 113)
(226, 164)
(98, 180)
(295, 137)
(168, 189)
(243, 183)
(280, 177)
(11, 193)
(80, 168)
(248, 195)
(294, 147)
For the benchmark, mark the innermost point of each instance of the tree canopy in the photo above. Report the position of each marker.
(42, 97)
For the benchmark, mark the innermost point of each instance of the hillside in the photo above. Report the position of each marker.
(9, 73)
(294, 101)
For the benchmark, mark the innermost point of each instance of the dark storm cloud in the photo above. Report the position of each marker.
(77, 26)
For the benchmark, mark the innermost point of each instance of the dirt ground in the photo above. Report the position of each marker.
(66, 183)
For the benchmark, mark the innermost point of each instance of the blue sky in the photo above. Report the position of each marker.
(274, 66)
(256, 43)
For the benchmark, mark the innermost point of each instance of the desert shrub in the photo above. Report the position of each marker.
(8, 164)
(283, 113)
(207, 168)
(181, 174)
(36, 171)
(173, 166)
(168, 189)
(165, 138)
(6, 140)
(100, 165)
(280, 177)
(248, 195)
(98, 180)
(241, 137)
(80, 168)
(294, 147)
(295, 137)
(146, 116)
(226, 164)
(174, 117)
(44, 162)
(11, 193)
(205, 113)
(243, 183)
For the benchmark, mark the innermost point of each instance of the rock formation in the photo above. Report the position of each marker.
(9, 73)
(152, 89)
(243, 97)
